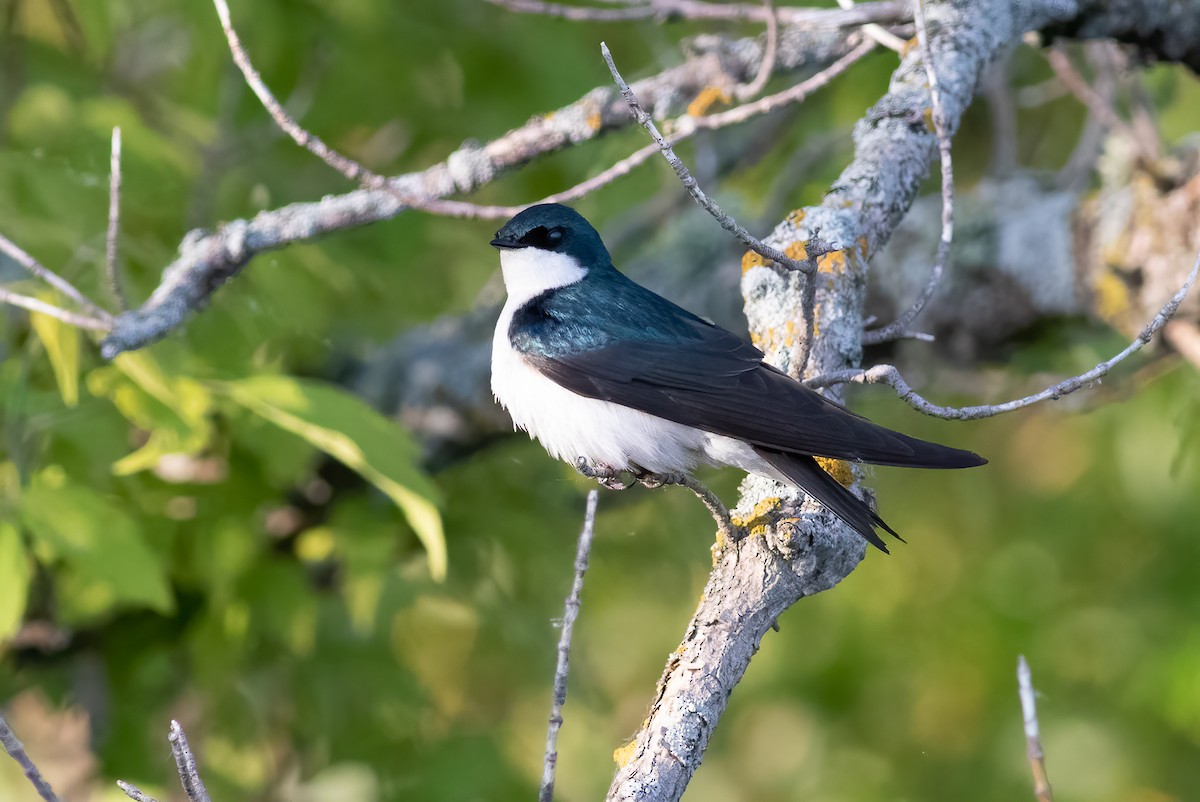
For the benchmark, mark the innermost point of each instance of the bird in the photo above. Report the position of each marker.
(612, 377)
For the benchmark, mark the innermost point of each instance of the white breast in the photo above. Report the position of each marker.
(569, 425)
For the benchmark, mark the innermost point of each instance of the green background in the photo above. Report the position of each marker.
(318, 660)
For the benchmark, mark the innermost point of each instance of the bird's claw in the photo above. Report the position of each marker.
(654, 481)
(606, 475)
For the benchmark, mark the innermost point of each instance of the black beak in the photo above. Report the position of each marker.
(506, 244)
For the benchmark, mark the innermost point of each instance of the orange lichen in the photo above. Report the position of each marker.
(752, 259)
(832, 262)
(623, 754)
(709, 96)
(796, 216)
(797, 250)
(758, 519)
(838, 469)
(593, 121)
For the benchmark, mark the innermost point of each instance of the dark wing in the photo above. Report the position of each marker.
(712, 380)
(812, 478)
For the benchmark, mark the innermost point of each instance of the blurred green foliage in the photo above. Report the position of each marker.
(177, 546)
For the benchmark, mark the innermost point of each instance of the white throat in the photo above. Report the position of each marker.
(528, 272)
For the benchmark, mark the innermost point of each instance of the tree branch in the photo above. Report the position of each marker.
(208, 259)
(16, 750)
(1033, 737)
(38, 270)
(887, 374)
(570, 613)
(801, 549)
(114, 223)
(900, 326)
(189, 776)
(863, 14)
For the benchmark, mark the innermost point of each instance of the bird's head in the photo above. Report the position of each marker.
(547, 246)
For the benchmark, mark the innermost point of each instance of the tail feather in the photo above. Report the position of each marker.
(804, 472)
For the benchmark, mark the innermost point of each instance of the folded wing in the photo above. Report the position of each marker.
(714, 381)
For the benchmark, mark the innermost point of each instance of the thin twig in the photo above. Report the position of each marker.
(16, 751)
(876, 32)
(134, 793)
(570, 613)
(685, 128)
(1033, 738)
(343, 164)
(193, 786)
(899, 327)
(114, 222)
(35, 268)
(826, 18)
(347, 167)
(35, 305)
(716, 508)
(887, 374)
(767, 66)
(689, 182)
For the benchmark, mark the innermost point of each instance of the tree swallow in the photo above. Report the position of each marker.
(607, 374)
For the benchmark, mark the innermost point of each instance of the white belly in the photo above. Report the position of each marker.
(570, 426)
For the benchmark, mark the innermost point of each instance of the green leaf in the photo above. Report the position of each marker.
(15, 575)
(175, 410)
(61, 342)
(347, 429)
(106, 563)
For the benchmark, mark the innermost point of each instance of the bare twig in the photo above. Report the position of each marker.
(35, 305)
(134, 793)
(189, 776)
(16, 750)
(1033, 738)
(570, 613)
(206, 260)
(35, 268)
(876, 32)
(864, 14)
(900, 326)
(770, 48)
(193, 786)
(689, 182)
(685, 128)
(114, 222)
(887, 374)
(347, 167)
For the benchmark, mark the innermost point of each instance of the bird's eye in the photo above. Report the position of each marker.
(547, 239)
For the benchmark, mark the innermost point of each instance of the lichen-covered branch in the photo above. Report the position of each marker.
(800, 549)
(207, 259)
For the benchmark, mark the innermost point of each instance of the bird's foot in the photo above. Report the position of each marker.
(653, 481)
(606, 475)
